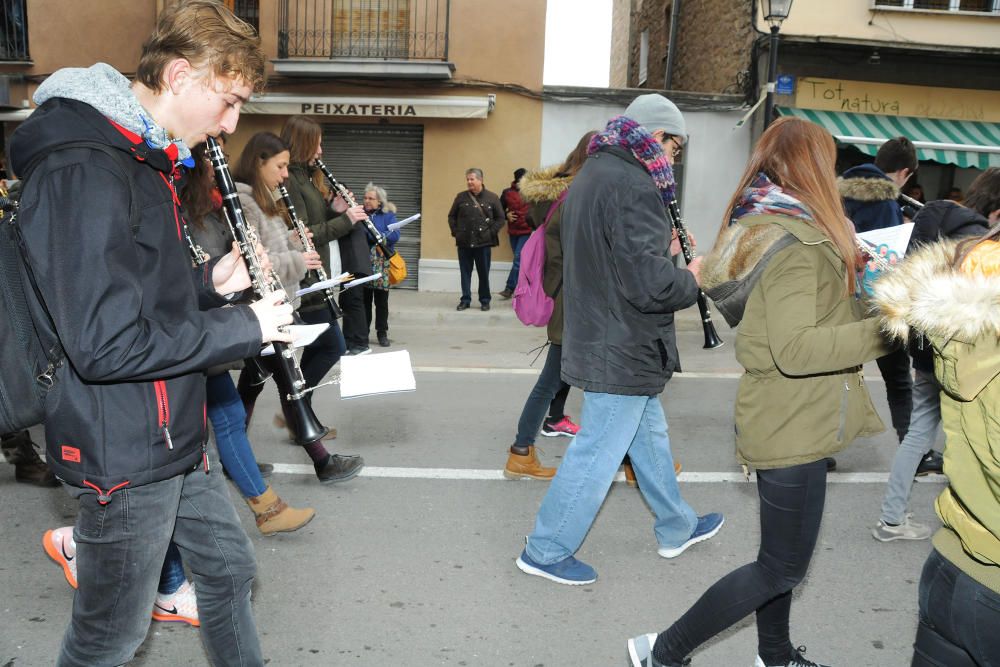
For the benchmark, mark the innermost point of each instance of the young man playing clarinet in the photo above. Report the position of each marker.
(125, 424)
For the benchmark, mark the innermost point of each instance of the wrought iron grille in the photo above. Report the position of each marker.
(986, 6)
(382, 29)
(14, 31)
(247, 10)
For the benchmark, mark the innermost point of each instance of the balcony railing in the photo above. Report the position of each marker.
(14, 31)
(380, 29)
(981, 6)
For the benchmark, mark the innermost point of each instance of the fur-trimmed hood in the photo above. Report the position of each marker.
(543, 185)
(927, 294)
(867, 183)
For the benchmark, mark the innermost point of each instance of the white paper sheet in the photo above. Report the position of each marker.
(371, 374)
(361, 281)
(323, 284)
(895, 238)
(302, 335)
(400, 223)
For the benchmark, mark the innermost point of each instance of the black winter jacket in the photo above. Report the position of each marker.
(620, 286)
(128, 406)
(940, 220)
(476, 220)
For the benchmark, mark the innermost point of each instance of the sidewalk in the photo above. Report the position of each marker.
(412, 307)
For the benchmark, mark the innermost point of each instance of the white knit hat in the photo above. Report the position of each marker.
(656, 112)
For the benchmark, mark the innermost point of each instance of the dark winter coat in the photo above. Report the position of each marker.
(940, 220)
(128, 407)
(620, 287)
(476, 220)
(870, 198)
(540, 189)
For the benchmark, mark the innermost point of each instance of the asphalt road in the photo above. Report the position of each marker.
(412, 563)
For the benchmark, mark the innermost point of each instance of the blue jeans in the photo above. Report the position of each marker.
(172, 574)
(516, 243)
(121, 547)
(924, 422)
(480, 257)
(542, 398)
(225, 410)
(611, 426)
(963, 614)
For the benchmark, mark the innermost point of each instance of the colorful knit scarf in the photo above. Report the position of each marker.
(625, 132)
(763, 197)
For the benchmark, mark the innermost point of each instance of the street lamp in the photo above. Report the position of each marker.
(775, 12)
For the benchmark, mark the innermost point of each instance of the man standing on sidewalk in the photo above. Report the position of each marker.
(620, 291)
(475, 218)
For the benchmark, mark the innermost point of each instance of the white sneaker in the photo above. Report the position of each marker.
(61, 548)
(179, 607)
(908, 530)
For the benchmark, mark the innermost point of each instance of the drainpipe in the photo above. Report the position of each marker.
(675, 15)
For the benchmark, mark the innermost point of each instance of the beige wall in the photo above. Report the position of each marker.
(621, 22)
(502, 42)
(855, 19)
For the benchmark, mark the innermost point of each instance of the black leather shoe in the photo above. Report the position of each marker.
(933, 462)
(484, 307)
(462, 306)
(383, 339)
(338, 468)
(831, 463)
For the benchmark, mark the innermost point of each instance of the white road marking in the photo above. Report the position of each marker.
(496, 474)
(487, 370)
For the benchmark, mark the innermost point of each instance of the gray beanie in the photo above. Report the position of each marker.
(656, 112)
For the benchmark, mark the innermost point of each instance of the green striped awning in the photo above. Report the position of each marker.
(964, 143)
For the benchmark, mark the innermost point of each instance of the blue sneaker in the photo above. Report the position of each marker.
(707, 527)
(567, 571)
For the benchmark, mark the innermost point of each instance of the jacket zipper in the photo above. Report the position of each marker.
(204, 437)
(163, 410)
(843, 411)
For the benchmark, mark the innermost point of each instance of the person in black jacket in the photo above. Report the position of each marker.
(870, 193)
(475, 219)
(937, 220)
(620, 291)
(125, 425)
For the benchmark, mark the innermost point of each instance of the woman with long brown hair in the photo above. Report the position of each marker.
(545, 191)
(802, 340)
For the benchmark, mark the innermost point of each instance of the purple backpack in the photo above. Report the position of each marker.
(531, 304)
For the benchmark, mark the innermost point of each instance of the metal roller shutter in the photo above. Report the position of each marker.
(390, 156)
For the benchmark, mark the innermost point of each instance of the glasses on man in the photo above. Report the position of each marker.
(672, 144)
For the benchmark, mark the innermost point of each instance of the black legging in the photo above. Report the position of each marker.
(791, 508)
(352, 302)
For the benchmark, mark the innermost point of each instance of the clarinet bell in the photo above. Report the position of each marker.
(712, 339)
(304, 423)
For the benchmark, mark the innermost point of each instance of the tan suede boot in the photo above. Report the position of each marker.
(630, 473)
(275, 516)
(526, 466)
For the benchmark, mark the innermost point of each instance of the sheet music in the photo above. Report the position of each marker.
(362, 281)
(323, 284)
(372, 374)
(888, 243)
(396, 225)
(302, 335)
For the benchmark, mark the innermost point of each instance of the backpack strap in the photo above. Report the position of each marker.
(555, 205)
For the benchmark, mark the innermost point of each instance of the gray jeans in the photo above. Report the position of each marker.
(924, 422)
(120, 550)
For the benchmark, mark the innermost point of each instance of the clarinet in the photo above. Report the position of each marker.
(712, 339)
(307, 245)
(287, 374)
(339, 188)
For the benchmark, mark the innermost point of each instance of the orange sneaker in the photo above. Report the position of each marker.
(61, 548)
(179, 607)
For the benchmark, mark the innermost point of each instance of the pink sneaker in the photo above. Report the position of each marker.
(564, 426)
(61, 548)
(180, 607)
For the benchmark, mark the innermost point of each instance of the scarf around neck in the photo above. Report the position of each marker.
(628, 134)
(764, 197)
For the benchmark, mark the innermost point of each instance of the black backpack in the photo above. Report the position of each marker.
(31, 354)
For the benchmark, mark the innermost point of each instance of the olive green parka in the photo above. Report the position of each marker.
(801, 341)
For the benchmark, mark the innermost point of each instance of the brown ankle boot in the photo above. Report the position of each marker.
(275, 516)
(29, 468)
(526, 466)
(630, 473)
